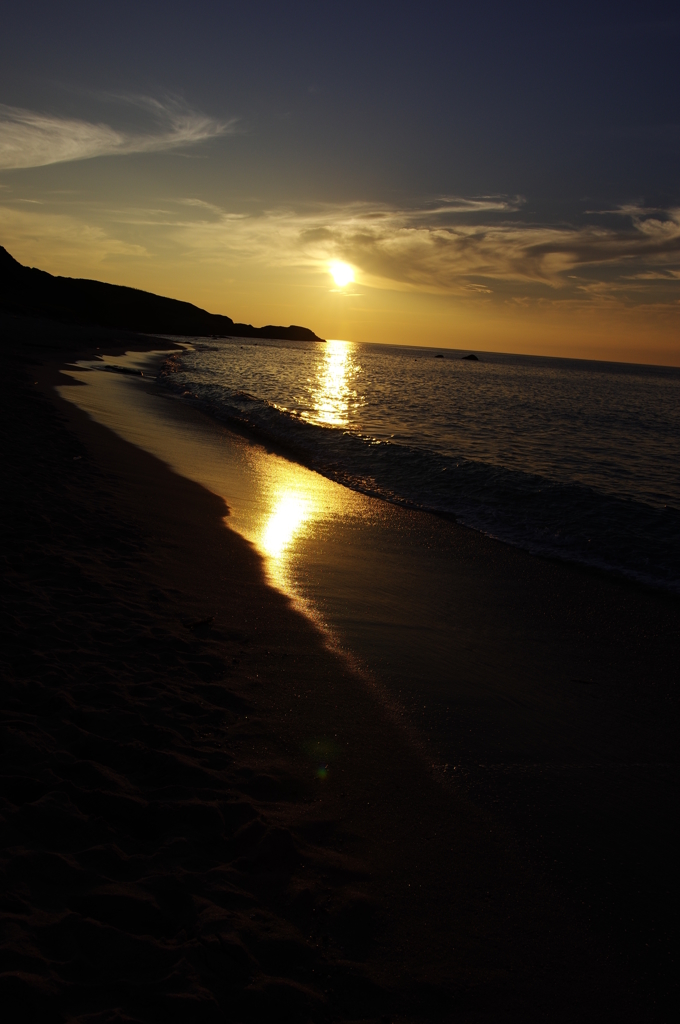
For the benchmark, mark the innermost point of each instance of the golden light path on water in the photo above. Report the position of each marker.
(276, 504)
(295, 509)
(332, 390)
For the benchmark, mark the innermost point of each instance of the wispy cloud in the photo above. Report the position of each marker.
(30, 139)
(67, 241)
(461, 247)
(451, 205)
(423, 249)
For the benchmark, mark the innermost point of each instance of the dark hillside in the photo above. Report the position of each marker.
(27, 291)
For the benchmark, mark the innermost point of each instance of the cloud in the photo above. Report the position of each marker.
(64, 241)
(30, 139)
(483, 249)
(423, 249)
(476, 204)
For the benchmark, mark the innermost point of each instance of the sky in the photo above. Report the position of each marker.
(499, 177)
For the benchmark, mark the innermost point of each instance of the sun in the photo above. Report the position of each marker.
(342, 273)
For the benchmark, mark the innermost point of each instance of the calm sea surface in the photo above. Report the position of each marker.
(573, 459)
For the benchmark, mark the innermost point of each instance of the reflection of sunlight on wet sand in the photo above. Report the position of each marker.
(293, 504)
(288, 516)
(277, 505)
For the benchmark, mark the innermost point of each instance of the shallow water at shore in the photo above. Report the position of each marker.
(390, 585)
(548, 690)
(565, 458)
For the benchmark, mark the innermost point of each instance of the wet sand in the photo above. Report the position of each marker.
(206, 813)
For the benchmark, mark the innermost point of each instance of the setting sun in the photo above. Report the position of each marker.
(342, 273)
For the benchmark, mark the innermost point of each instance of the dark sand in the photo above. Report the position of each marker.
(168, 850)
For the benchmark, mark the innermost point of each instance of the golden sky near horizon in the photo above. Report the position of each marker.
(416, 282)
(516, 190)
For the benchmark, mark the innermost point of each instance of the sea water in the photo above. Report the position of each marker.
(566, 458)
(542, 692)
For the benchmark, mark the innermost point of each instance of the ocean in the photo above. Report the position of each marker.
(538, 689)
(569, 459)
(540, 693)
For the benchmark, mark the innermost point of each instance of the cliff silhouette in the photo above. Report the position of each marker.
(27, 291)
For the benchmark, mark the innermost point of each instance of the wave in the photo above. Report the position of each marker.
(569, 521)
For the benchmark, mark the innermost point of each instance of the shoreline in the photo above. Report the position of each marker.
(277, 445)
(484, 938)
(616, 525)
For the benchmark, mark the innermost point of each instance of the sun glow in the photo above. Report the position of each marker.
(342, 273)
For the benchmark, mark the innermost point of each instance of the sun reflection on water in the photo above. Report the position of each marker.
(298, 500)
(332, 392)
(285, 510)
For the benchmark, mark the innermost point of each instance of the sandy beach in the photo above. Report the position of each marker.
(208, 815)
